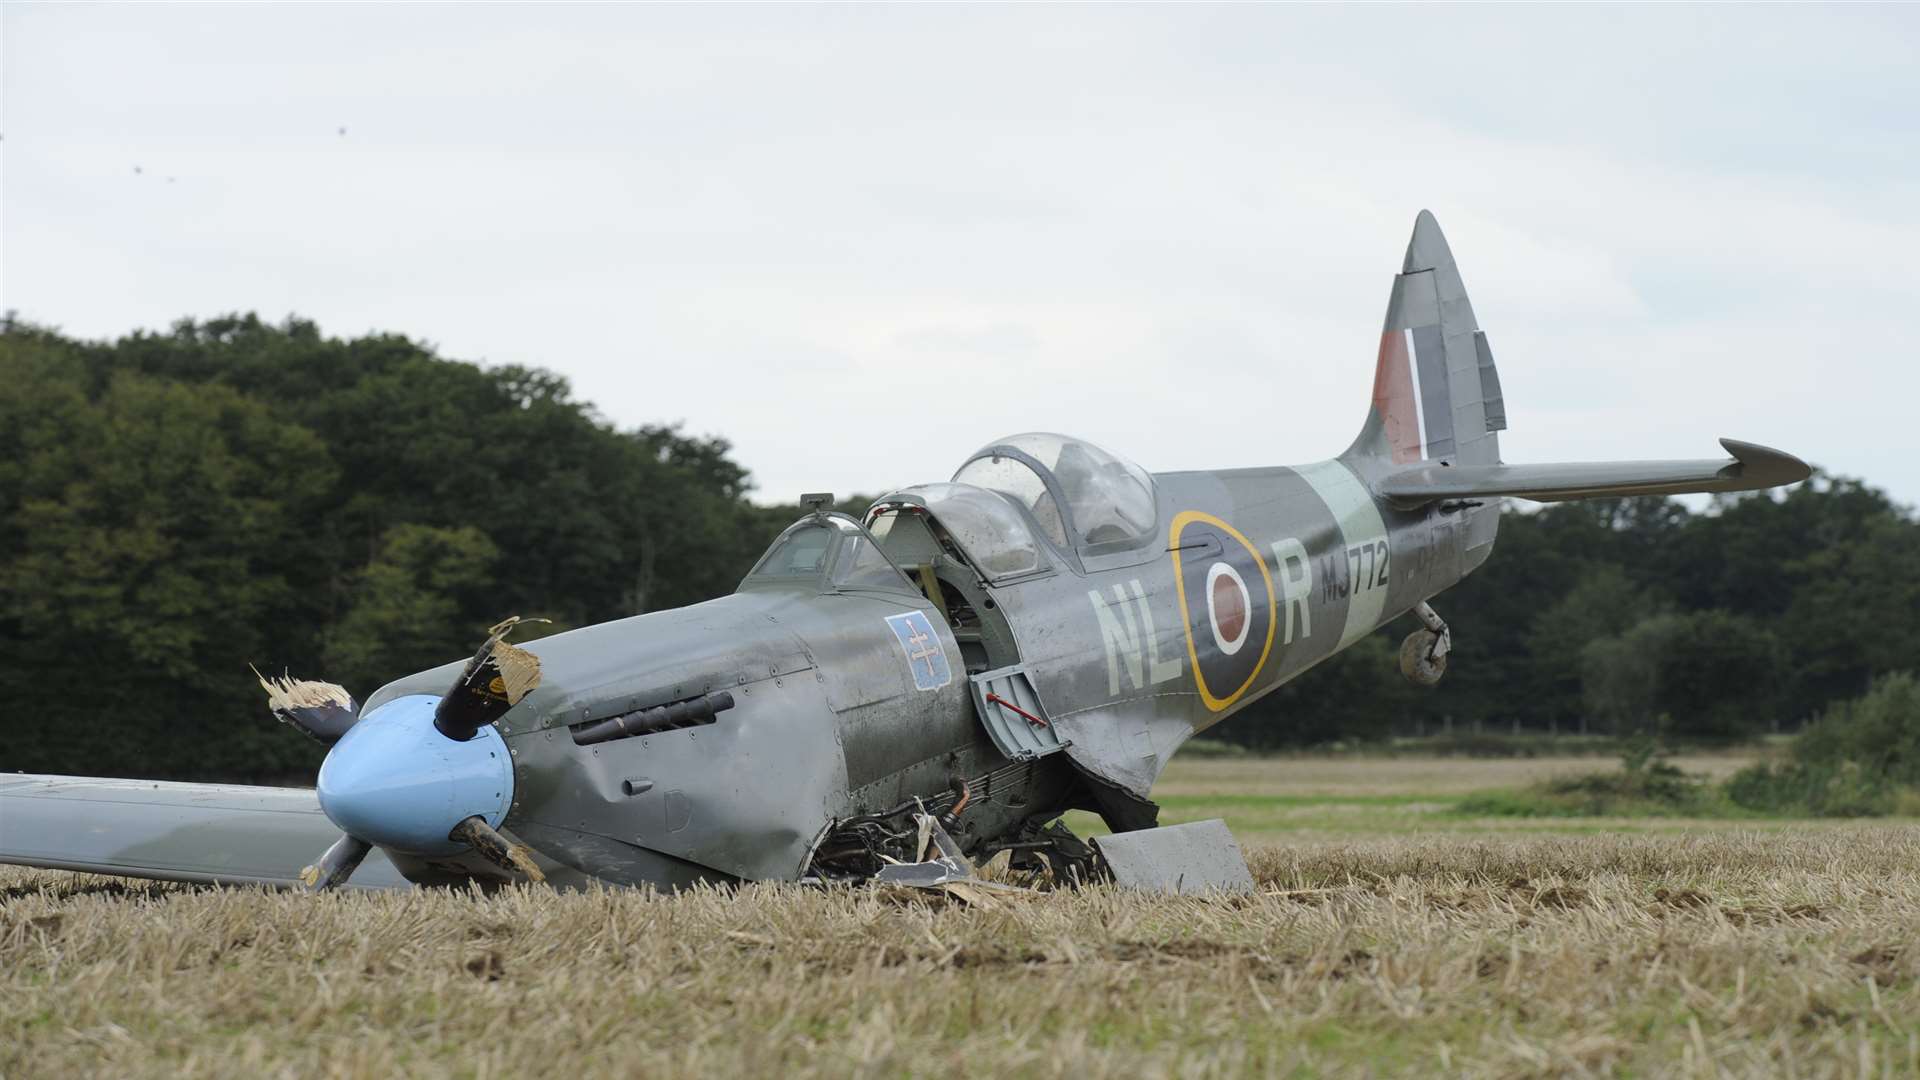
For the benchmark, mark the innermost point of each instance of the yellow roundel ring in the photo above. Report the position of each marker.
(1217, 702)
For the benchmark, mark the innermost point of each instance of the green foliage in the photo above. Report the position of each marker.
(174, 506)
(157, 537)
(1344, 699)
(407, 604)
(1880, 731)
(1495, 744)
(1645, 785)
(1860, 758)
(1702, 673)
(1603, 603)
(1845, 790)
(1212, 748)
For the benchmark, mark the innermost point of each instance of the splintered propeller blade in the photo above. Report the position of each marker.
(495, 848)
(321, 711)
(337, 865)
(495, 680)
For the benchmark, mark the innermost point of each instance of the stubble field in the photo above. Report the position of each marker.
(1392, 936)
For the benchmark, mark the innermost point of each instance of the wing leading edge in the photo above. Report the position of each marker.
(1751, 468)
(213, 833)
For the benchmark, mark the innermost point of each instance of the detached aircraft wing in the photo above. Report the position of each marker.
(1751, 468)
(222, 834)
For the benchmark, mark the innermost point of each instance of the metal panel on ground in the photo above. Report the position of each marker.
(1192, 859)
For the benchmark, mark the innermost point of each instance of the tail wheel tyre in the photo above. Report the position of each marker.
(1417, 661)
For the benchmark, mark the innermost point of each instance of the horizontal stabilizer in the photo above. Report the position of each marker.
(1751, 468)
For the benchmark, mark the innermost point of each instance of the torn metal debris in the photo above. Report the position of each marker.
(943, 867)
(498, 676)
(1193, 859)
(496, 849)
(322, 711)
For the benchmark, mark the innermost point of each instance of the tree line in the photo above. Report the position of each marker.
(176, 505)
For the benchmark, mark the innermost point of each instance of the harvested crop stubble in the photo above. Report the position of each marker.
(1735, 952)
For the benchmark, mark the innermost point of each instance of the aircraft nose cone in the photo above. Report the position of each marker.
(395, 781)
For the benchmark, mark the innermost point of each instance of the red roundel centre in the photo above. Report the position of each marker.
(1229, 607)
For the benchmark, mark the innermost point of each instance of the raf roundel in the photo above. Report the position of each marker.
(1226, 604)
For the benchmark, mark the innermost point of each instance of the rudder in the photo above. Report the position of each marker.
(1436, 392)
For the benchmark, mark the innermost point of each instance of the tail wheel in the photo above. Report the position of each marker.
(1420, 659)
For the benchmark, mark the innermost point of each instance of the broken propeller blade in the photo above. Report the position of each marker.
(493, 681)
(321, 711)
(496, 848)
(337, 865)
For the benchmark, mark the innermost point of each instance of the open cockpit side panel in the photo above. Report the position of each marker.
(916, 543)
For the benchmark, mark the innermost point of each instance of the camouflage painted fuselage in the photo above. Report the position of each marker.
(1324, 564)
(1244, 579)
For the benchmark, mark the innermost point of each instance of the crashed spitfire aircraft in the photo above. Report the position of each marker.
(976, 657)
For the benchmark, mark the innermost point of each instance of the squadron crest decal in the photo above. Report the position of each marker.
(925, 658)
(1226, 604)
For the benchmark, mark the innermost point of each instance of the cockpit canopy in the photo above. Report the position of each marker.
(1083, 497)
(986, 525)
(830, 552)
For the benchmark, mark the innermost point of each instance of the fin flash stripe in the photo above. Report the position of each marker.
(1410, 393)
(1397, 397)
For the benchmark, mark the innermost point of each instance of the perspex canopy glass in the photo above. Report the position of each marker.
(986, 525)
(1076, 490)
(831, 550)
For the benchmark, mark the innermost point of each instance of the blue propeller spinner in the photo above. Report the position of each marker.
(395, 781)
(423, 775)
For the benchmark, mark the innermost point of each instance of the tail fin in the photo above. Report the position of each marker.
(1436, 395)
(1437, 406)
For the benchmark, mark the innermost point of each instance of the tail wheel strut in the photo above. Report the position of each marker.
(1423, 655)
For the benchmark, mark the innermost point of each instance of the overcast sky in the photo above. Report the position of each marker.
(860, 242)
